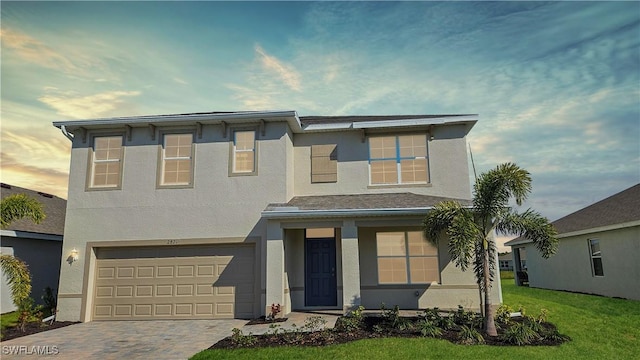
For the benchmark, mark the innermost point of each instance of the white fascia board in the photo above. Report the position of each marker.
(30, 235)
(328, 127)
(290, 115)
(600, 229)
(414, 122)
(582, 232)
(342, 213)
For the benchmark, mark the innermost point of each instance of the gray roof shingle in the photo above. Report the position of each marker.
(54, 207)
(619, 208)
(364, 201)
(616, 209)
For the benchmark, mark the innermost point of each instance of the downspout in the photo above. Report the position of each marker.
(66, 133)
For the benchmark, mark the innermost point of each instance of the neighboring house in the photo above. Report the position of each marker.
(221, 215)
(598, 252)
(505, 261)
(38, 245)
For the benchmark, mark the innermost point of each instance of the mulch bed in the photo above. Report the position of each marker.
(263, 320)
(340, 336)
(33, 328)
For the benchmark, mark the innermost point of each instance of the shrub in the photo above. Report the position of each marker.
(28, 312)
(447, 322)
(468, 318)
(391, 319)
(554, 335)
(49, 298)
(520, 333)
(314, 323)
(353, 321)
(503, 314)
(432, 315)
(469, 336)
(241, 340)
(428, 328)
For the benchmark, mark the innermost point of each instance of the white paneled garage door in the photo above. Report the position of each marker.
(174, 282)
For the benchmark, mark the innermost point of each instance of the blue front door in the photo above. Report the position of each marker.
(320, 272)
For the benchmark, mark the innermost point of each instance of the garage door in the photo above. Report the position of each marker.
(176, 282)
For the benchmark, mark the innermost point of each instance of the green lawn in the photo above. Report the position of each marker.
(601, 328)
(9, 319)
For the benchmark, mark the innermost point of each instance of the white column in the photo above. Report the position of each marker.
(350, 267)
(275, 266)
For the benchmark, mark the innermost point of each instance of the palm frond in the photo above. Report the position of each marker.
(17, 206)
(494, 188)
(439, 219)
(463, 234)
(532, 226)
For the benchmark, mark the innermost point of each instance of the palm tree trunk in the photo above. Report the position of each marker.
(489, 315)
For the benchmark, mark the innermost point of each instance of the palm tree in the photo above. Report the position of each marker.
(12, 208)
(18, 206)
(470, 229)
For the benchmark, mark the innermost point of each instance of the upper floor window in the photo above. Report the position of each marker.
(398, 159)
(406, 258)
(106, 162)
(324, 163)
(177, 160)
(244, 152)
(596, 257)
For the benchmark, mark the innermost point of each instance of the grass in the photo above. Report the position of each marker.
(9, 319)
(505, 275)
(600, 328)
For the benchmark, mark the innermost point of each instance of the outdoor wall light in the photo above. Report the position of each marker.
(74, 255)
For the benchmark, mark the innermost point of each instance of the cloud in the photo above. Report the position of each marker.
(31, 50)
(286, 73)
(69, 104)
(180, 81)
(49, 180)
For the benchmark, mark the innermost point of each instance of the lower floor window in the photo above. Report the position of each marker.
(406, 258)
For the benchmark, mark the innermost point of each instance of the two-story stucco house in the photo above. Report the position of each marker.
(221, 215)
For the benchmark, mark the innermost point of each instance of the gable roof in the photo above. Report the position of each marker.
(54, 207)
(619, 208)
(356, 205)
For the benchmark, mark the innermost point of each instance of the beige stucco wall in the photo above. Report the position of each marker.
(217, 206)
(223, 206)
(570, 268)
(455, 287)
(448, 166)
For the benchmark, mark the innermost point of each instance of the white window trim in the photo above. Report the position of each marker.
(234, 151)
(93, 161)
(164, 158)
(592, 257)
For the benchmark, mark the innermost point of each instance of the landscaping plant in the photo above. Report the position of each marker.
(470, 230)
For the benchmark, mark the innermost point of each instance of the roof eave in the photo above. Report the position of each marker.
(295, 213)
(291, 116)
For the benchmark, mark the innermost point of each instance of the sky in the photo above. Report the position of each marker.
(556, 85)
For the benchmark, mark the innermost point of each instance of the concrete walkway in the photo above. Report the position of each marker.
(157, 339)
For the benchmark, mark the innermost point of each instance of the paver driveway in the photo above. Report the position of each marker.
(158, 339)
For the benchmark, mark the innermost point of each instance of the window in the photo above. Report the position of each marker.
(406, 258)
(398, 159)
(324, 163)
(244, 151)
(106, 162)
(596, 257)
(177, 160)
